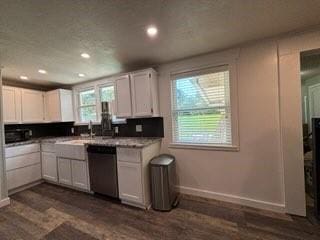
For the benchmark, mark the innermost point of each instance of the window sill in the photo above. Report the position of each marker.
(85, 123)
(205, 147)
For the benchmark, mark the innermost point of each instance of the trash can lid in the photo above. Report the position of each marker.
(162, 160)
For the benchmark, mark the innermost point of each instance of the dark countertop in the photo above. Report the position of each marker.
(133, 142)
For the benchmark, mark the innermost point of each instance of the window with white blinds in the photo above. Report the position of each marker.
(87, 106)
(201, 111)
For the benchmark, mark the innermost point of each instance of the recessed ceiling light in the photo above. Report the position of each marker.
(85, 55)
(152, 31)
(42, 71)
(81, 75)
(23, 77)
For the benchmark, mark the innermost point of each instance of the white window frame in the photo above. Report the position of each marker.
(235, 146)
(78, 107)
(96, 85)
(98, 97)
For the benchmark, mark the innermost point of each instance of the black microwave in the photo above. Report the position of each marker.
(17, 135)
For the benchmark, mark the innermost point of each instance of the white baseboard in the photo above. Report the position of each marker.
(233, 199)
(4, 202)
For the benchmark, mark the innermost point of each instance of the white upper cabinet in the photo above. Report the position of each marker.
(58, 105)
(123, 96)
(144, 93)
(32, 106)
(137, 94)
(11, 104)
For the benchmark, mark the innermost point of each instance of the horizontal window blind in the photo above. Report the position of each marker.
(201, 112)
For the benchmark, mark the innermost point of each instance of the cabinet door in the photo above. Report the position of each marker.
(123, 97)
(79, 174)
(52, 106)
(66, 105)
(32, 106)
(141, 94)
(64, 171)
(11, 104)
(49, 166)
(130, 182)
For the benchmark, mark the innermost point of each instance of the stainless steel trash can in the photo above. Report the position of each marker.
(163, 182)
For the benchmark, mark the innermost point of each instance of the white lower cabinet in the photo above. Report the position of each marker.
(130, 182)
(64, 169)
(23, 176)
(73, 173)
(23, 165)
(49, 166)
(133, 174)
(79, 174)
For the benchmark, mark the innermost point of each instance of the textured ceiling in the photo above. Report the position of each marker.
(51, 34)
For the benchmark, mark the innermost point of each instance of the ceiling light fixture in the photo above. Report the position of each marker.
(42, 71)
(81, 75)
(85, 55)
(24, 78)
(152, 31)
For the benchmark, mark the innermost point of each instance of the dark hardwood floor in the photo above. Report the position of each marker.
(50, 212)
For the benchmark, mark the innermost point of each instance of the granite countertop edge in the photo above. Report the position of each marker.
(133, 142)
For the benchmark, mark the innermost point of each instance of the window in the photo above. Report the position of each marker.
(87, 106)
(107, 94)
(201, 111)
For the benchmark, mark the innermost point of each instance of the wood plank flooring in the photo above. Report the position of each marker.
(50, 212)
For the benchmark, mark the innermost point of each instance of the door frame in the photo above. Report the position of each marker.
(309, 102)
(289, 51)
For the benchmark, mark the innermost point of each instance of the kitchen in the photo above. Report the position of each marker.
(64, 160)
(154, 119)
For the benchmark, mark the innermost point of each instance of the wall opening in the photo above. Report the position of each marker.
(310, 100)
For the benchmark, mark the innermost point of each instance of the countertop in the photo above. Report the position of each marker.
(134, 142)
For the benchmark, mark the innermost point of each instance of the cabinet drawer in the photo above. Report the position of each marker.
(129, 155)
(22, 161)
(48, 147)
(21, 150)
(22, 176)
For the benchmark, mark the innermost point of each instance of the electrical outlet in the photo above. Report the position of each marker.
(116, 129)
(138, 128)
(30, 133)
(72, 130)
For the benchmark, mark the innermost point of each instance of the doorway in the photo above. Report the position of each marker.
(310, 101)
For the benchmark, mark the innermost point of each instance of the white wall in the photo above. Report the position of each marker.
(4, 200)
(253, 175)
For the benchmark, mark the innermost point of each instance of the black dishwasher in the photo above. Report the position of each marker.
(103, 170)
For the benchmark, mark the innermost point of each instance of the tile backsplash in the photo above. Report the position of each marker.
(151, 127)
(44, 129)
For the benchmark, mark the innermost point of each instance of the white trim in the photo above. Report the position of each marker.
(232, 65)
(275, 207)
(4, 202)
(310, 88)
(231, 148)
